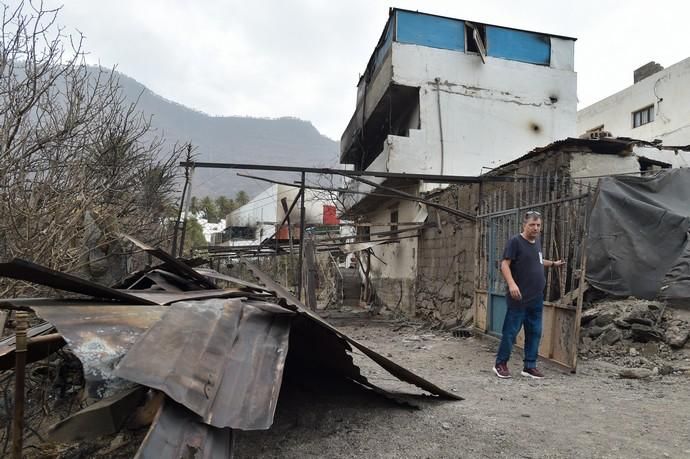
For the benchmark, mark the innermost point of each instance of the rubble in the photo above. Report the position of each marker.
(170, 349)
(636, 335)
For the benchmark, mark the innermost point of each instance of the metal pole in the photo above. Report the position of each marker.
(19, 372)
(301, 240)
(182, 200)
(188, 200)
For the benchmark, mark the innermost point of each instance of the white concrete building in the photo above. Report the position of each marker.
(259, 218)
(449, 96)
(656, 106)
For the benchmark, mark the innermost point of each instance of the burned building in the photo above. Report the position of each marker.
(448, 97)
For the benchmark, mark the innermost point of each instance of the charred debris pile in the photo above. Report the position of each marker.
(167, 347)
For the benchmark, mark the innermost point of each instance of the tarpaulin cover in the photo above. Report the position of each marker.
(638, 236)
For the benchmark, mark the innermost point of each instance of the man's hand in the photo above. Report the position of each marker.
(557, 263)
(514, 291)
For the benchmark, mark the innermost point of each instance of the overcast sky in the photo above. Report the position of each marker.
(302, 58)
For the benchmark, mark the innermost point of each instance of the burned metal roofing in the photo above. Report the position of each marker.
(222, 359)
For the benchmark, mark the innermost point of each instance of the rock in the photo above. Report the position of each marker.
(589, 315)
(445, 426)
(644, 333)
(676, 336)
(640, 320)
(450, 323)
(611, 336)
(649, 349)
(586, 345)
(635, 373)
(620, 323)
(594, 331)
(665, 370)
(633, 352)
(604, 319)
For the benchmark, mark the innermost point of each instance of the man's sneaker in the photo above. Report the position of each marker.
(502, 371)
(533, 373)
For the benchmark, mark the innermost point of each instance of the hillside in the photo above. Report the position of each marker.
(283, 141)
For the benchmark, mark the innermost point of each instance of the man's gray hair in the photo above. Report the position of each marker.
(531, 215)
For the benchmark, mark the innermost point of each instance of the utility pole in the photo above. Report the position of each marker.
(301, 240)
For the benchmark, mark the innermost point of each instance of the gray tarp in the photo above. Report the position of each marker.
(638, 236)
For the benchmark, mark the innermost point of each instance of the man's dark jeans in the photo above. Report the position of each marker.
(529, 315)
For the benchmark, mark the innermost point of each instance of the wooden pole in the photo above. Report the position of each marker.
(19, 375)
(301, 240)
(310, 295)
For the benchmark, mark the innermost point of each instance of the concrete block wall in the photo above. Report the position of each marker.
(445, 271)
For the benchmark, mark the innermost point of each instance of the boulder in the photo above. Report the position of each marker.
(611, 336)
(589, 315)
(604, 319)
(594, 331)
(640, 320)
(635, 373)
(644, 333)
(620, 323)
(676, 336)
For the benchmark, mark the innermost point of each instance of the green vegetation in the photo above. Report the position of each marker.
(216, 209)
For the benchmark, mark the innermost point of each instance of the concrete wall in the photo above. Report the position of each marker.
(266, 207)
(393, 273)
(669, 92)
(446, 260)
(490, 113)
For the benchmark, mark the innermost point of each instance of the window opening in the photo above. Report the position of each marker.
(643, 116)
(476, 39)
(394, 220)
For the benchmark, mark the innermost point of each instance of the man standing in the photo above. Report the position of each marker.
(523, 269)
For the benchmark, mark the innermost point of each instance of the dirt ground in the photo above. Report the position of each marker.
(592, 413)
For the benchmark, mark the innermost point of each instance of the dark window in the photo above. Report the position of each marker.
(643, 116)
(394, 220)
(476, 43)
(363, 234)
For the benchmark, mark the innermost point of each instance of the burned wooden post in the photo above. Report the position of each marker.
(301, 240)
(185, 188)
(19, 379)
(310, 274)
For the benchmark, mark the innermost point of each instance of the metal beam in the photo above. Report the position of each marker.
(318, 170)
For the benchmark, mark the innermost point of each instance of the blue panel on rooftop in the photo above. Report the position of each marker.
(518, 45)
(432, 31)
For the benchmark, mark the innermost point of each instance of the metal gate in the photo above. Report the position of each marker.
(564, 207)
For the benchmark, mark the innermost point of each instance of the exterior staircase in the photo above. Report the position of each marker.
(352, 286)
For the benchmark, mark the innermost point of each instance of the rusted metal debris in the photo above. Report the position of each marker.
(99, 334)
(105, 417)
(220, 361)
(37, 274)
(37, 351)
(177, 432)
(393, 368)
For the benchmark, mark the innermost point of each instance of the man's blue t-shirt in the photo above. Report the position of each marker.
(527, 268)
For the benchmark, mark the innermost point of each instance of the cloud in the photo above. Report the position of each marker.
(302, 58)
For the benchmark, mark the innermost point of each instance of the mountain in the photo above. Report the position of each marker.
(234, 139)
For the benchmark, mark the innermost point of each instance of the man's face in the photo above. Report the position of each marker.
(532, 227)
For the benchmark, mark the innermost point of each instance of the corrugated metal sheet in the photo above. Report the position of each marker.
(34, 352)
(161, 297)
(222, 359)
(178, 433)
(37, 274)
(172, 263)
(393, 368)
(100, 334)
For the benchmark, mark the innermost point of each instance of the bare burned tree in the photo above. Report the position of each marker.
(77, 161)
